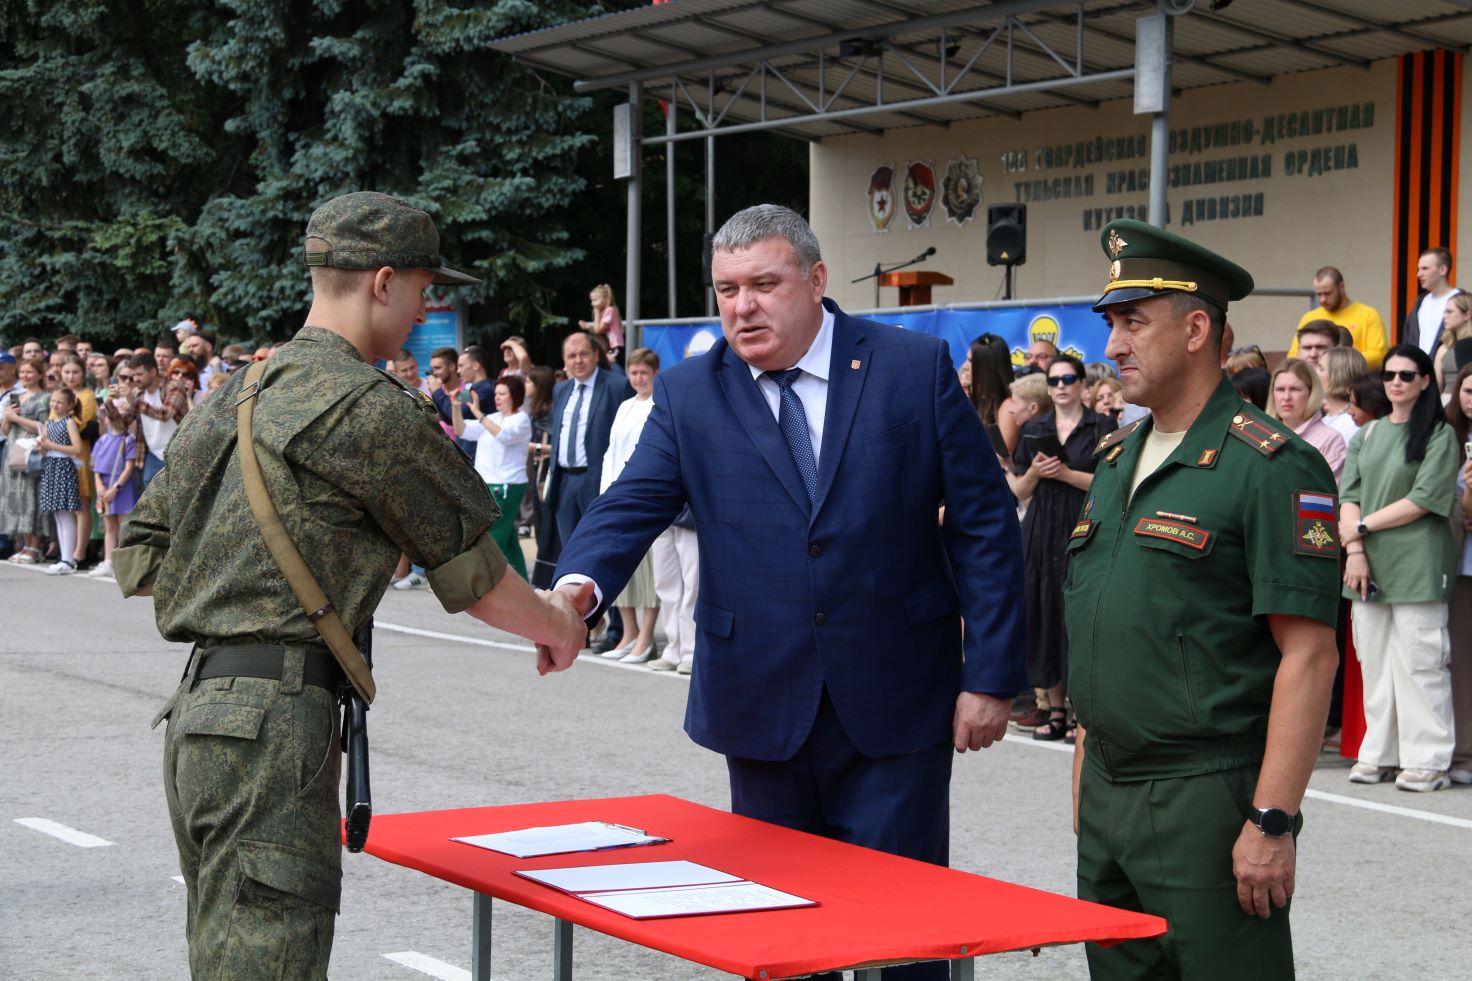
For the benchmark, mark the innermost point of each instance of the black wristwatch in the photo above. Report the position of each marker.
(1272, 821)
(1363, 530)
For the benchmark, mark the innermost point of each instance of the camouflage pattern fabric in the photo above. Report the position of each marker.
(250, 776)
(360, 471)
(357, 467)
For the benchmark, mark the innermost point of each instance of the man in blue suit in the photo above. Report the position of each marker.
(583, 408)
(815, 451)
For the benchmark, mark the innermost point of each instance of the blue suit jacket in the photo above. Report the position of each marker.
(608, 394)
(865, 593)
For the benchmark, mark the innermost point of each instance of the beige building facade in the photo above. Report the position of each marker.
(1283, 178)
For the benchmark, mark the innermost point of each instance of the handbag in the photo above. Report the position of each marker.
(21, 455)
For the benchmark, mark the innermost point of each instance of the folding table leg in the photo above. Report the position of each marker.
(867, 974)
(561, 950)
(480, 939)
(963, 969)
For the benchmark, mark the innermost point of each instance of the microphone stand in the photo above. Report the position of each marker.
(880, 270)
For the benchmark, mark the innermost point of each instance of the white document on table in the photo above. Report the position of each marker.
(587, 836)
(646, 890)
(730, 897)
(629, 875)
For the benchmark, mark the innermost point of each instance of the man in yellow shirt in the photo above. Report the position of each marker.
(1361, 320)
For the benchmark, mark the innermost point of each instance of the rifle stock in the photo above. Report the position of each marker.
(359, 807)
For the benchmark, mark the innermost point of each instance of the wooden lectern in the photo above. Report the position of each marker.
(915, 285)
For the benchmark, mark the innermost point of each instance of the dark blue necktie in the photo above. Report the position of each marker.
(793, 422)
(572, 429)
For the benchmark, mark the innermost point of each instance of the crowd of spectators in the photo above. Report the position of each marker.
(84, 431)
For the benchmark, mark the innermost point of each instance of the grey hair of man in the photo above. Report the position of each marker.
(763, 221)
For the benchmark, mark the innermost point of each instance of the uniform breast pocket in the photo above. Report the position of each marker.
(1177, 537)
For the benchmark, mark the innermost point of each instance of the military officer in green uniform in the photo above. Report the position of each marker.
(1200, 601)
(359, 472)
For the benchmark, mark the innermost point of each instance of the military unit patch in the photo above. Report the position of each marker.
(1173, 531)
(1315, 524)
(1082, 529)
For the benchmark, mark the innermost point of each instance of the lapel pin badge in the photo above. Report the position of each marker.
(855, 364)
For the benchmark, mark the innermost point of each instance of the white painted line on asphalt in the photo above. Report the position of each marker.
(459, 638)
(1370, 805)
(480, 642)
(432, 966)
(69, 835)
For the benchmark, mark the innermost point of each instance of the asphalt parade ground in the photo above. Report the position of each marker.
(88, 866)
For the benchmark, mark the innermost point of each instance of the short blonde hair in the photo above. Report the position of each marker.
(1342, 365)
(644, 356)
(1033, 388)
(1305, 373)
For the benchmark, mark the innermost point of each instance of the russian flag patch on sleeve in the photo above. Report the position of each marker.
(1315, 524)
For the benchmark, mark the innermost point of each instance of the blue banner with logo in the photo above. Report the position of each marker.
(441, 328)
(1075, 329)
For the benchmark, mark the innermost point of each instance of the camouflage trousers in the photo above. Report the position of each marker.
(251, 777)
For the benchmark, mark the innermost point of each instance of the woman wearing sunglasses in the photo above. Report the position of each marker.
(1398, 489)
(1054, 467)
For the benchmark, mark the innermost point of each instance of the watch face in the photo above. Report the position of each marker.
(1275, 822)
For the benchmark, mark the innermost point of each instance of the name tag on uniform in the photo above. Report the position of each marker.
(1173, 531)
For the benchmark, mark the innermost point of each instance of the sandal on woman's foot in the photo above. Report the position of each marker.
(1053, 729)
(27, 556)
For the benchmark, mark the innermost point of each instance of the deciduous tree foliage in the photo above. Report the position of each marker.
(159, 159)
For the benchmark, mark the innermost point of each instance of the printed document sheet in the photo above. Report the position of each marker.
(648, 890)
(587, 836)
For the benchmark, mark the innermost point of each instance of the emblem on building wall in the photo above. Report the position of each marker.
(961, 190)
(881, 197)
(919, 192)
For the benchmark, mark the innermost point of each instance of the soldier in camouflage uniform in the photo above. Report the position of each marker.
(360, 472)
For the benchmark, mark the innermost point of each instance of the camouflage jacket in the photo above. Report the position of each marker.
(359, 471)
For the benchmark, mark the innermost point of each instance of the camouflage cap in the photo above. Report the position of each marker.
(368, 230)
(1148, 261)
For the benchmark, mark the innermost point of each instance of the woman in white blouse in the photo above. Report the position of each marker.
(501, 439)
(639, 594)
(1294, 397)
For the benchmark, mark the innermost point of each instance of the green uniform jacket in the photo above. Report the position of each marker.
(1171, 662)
(358, 469)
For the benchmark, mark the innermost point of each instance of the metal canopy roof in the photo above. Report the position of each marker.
(817, 68)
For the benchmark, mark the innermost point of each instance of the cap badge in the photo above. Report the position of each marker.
(1114, 270)
(1116, 244)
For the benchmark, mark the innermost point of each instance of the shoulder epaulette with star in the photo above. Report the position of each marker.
(1116, 437)
(1260, 436)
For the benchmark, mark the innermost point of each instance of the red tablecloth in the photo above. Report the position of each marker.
(876, 908)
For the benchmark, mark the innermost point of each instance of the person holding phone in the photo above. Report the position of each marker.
(1398, 491)
(1054, 467)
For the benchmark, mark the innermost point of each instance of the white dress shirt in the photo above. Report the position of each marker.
(572, 448)
(501, 459)
(811, 386)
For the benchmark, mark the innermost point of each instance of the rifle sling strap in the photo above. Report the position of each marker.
(298, 576)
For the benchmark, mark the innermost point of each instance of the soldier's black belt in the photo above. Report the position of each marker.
(265, 661)
(574, 470)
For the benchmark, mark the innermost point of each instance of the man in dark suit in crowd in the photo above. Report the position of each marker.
(815, 451)
(583, 408)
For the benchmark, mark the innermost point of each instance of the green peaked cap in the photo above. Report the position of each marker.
(1147, 261)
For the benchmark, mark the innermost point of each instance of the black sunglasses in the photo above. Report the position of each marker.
(1405, 376)
(1057, 380)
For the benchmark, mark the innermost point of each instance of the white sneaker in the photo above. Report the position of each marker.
(412, 581)
(1422, 781)
(104, 568)
(1370, 773)
(61, 569)
(1460, 775)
